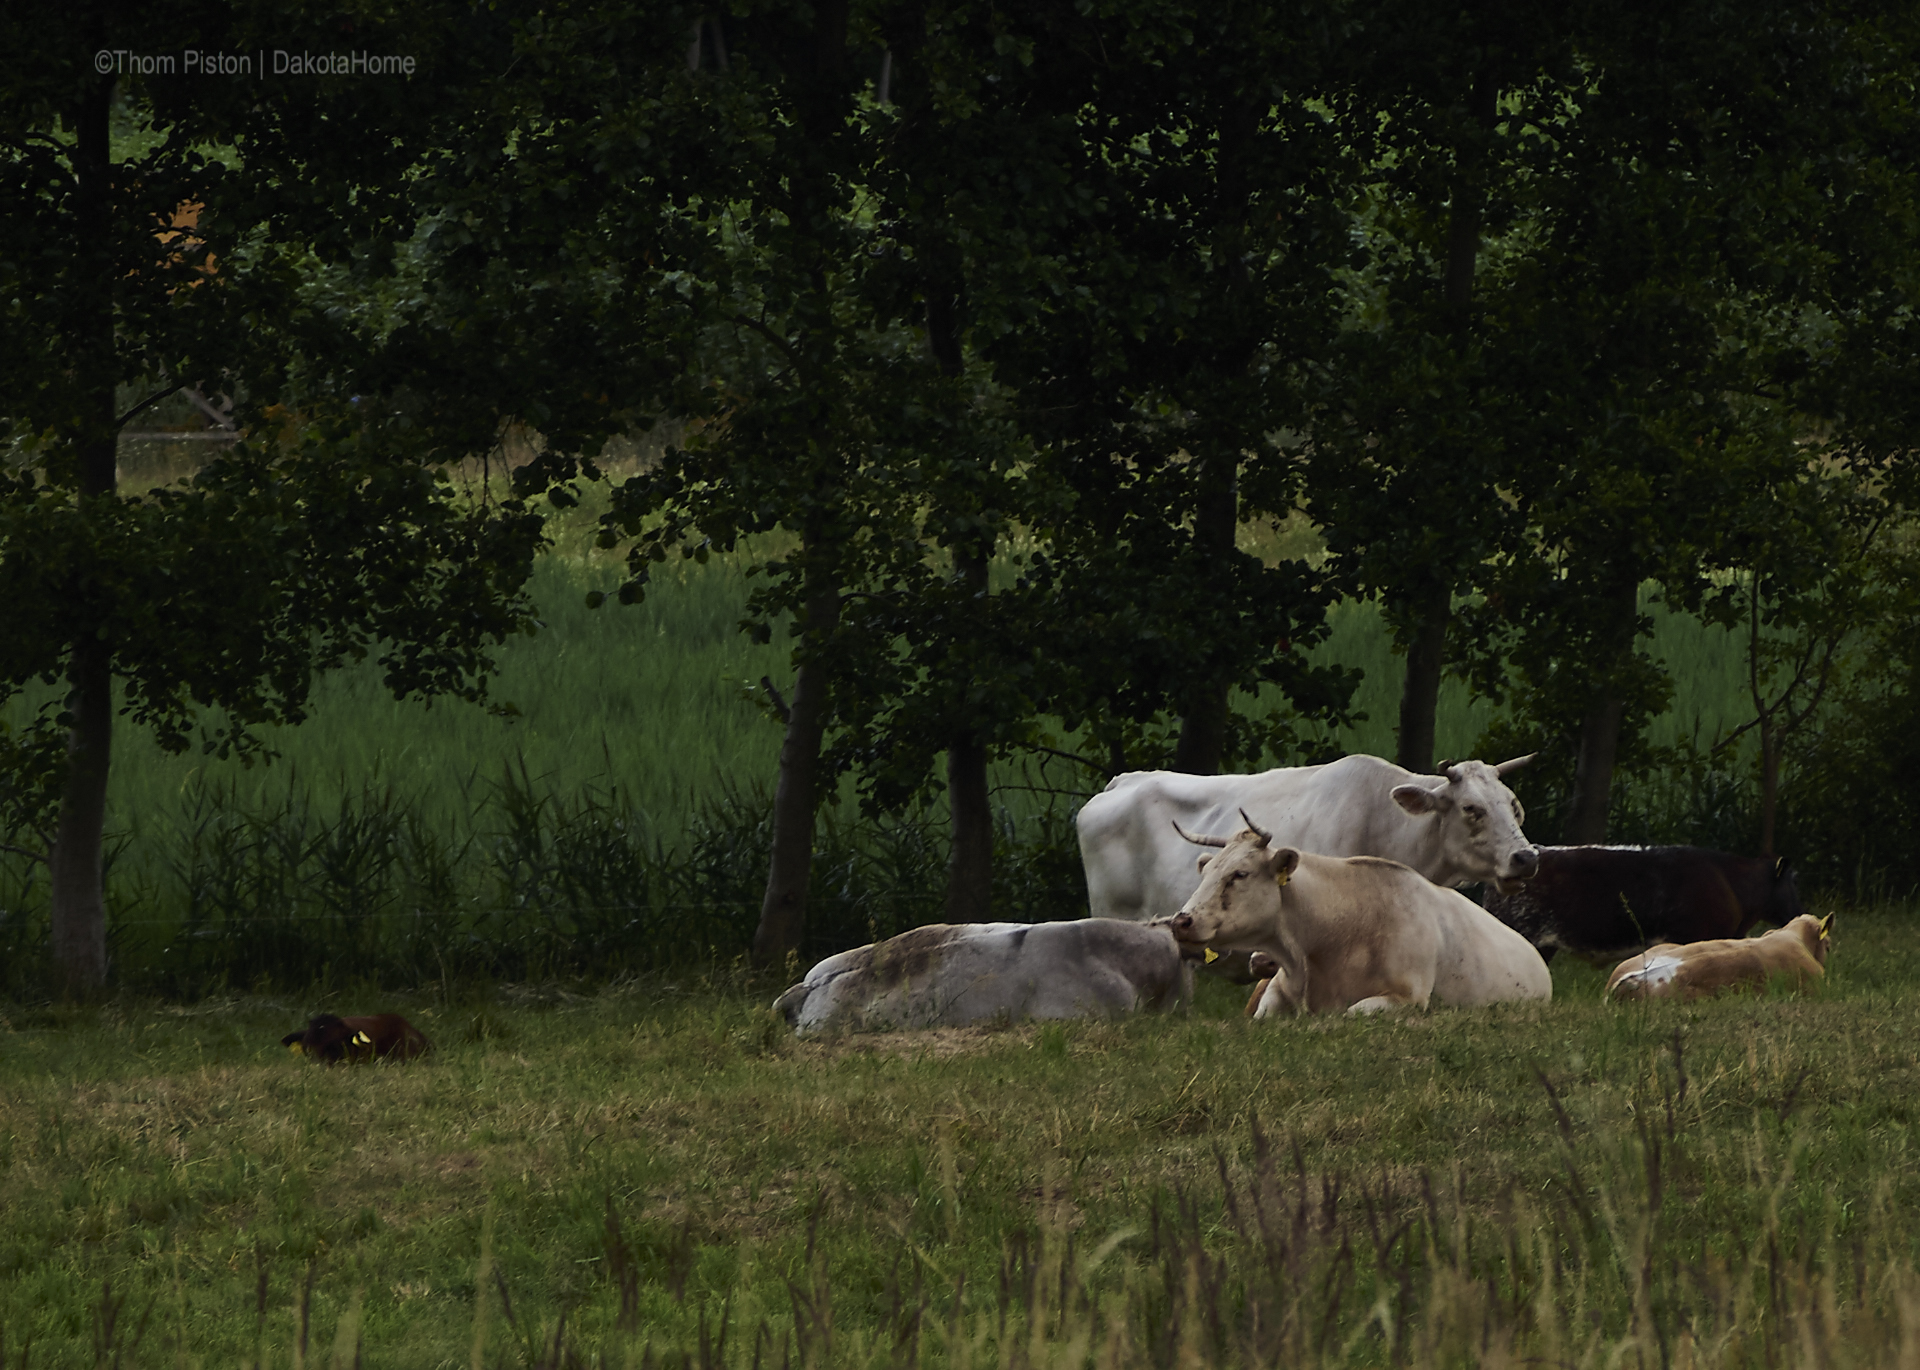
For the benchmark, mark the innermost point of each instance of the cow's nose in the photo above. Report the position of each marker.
(1182, 924)
(1526, 863)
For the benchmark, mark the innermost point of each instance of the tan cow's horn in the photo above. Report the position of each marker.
(1514, 764)
(1263, 834)
(1440, 768)
(1202, 840)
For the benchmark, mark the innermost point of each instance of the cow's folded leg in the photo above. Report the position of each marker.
(1383, 1003)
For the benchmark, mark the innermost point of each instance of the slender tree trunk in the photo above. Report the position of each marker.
(1427, 650)
(970, 860)
(1593, 773)
(969, 897)
(796, 799)
(1600, 737)
(1420, 695)
(1770, 741)
(1202, 744)
(77, 899)
(970, 853)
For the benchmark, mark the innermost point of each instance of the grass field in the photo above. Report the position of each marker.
(654, 1172)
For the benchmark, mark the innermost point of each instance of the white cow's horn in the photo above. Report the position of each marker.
(1441, 767)
(1200, 841)
(1264, 835)
(1514, 764)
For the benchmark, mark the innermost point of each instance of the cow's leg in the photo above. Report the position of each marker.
(1259, 993)
(1279, 1000)
(1384, 1003)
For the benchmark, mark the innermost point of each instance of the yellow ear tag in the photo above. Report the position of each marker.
(296, 1047)
(1282, 877)
(360, 1039)
(1212, 956)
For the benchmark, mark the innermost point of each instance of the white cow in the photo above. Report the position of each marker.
(1354, 934)
(1453, 828)
(948, 975)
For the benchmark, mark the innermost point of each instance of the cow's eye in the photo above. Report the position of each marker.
(1238, 875)
(1474, 812)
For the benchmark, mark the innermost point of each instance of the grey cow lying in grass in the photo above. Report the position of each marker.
(949, 975)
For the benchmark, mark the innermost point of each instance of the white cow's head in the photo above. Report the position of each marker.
(1479, 822)
(1238, 902)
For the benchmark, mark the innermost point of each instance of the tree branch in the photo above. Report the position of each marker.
(127, 417)
(785, 347)
(31, 855)
(1071, 756)
(779, 704)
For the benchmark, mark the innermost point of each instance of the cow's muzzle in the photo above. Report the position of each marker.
(1522, 866)
(1182, 926)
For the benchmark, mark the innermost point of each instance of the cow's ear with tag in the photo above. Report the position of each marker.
(1285, 862)
(1418, 799)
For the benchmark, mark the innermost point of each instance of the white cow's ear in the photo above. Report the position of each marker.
(1285, 861)
(1419, 799)
(1201, 864)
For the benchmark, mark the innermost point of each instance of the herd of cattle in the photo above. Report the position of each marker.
(1335, 892)
(1334, 887)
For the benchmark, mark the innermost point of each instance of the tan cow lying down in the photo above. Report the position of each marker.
(948, 975)
(1700, 970)
(1354, 934)
(1263, 968)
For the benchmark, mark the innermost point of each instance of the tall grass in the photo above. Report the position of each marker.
(618, 818)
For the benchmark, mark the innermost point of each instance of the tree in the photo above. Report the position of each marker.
(1182, 256)
(181, 226)
(1425, 398)
(1653, 251)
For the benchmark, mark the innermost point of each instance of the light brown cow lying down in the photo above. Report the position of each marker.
(1264, 968)
(1353, 935)
(1700, 970)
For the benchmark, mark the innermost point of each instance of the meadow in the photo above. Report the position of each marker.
(616, 1156)
(654, 1172)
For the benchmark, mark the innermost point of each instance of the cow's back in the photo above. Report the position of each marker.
(1703, 969)
(1139, 867)
(949, 975)
(1601, 902)
(1482, 960)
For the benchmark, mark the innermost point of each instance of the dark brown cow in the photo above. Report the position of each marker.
(1602, 903)
(332, 1038)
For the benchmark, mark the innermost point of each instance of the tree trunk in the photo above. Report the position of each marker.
(1420, 694)
(1600, 734)
(970, 855)
(1770, 742)
(77, 899)
(970, 860)
(1216, 517)
(1426, 651)
(783, 911)
(1593, 773)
